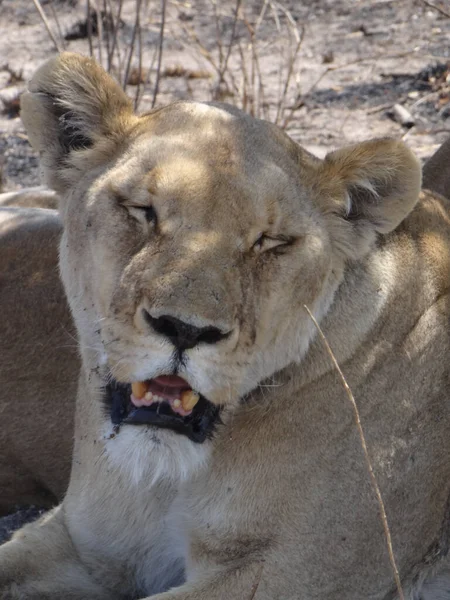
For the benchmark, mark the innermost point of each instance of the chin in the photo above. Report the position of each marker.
(148, 455)
(157, 430)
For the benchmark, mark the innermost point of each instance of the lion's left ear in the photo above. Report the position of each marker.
(71, 106)
(366, 189)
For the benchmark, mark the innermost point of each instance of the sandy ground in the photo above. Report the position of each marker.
(357, 59)
(12, 522)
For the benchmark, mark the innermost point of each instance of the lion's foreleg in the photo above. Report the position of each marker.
(244, 582)
(41, 562)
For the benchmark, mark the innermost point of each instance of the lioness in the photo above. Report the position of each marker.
(38, 357)
(35, 449)
(37, 197)
(215, 447)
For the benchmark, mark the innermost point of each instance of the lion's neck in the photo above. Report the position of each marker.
(359, 306)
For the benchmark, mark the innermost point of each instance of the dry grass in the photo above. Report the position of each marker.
(239, 50)
(373, 479)
(234, 62)
(119, 56)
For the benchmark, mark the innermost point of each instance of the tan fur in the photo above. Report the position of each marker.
(279, 503)
(39, 360)
(37, 197)
(436, 172)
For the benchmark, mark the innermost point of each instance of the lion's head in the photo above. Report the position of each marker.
(194, 235)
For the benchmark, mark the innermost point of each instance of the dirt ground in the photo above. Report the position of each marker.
(356, 60)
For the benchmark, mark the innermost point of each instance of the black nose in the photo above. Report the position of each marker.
(182, 335)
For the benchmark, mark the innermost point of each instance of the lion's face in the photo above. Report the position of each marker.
(198, 253)
(195, 236)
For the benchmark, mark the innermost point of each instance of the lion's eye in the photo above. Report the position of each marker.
(148, 212)
(141, 212)
(265, 242)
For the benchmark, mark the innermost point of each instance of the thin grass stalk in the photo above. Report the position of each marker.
(262, 14)
(333, 68)
(137, 96)
(438, 8)
(232, 79)
(255, 586)
(89, 27)
(195, 40)
(261, 89)
(99, 32)
(44, 19)
(160, 52)
(58, 26)
(136, 26)
(284, 81)
(116, 26)
(108, 18)
(150, 67)
(387, 531)
(256, 72)
(288, 15)
(250, 82)
(252, 49)
(206, 54)
(232, 40)
(276, 18)
(218, 34)
(242, 89)
(287, 82)
(203, 51)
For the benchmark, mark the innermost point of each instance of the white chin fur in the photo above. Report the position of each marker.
(146, 454)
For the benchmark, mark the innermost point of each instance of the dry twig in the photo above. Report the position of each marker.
(100, 31)
(438, 8)
(373, 478)
(160, 52)
(237, 57)
(58, 26)
(113, 44)
(89, 27)
(44, 19)
(256, 584)
(224, 61)
(139, 68)
(134, 35)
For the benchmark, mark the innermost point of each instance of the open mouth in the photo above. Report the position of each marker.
(166, 401)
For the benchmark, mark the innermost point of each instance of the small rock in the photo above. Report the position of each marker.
(401, 115)
(10, 98)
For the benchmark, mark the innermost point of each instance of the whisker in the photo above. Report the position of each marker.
(271, 385)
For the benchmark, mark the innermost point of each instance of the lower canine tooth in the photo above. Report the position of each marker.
(189, 399)
(177, 403)
(149, 396)
(138, 389)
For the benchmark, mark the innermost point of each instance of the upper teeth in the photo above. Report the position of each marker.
(138, 389)
(189, 399)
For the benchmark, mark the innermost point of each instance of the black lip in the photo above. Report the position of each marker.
(198, 426)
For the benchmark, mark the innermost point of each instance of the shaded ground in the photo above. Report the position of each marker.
(12, 522)
(357, 59)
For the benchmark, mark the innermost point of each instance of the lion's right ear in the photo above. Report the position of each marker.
(364, 191)
(70, 106)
